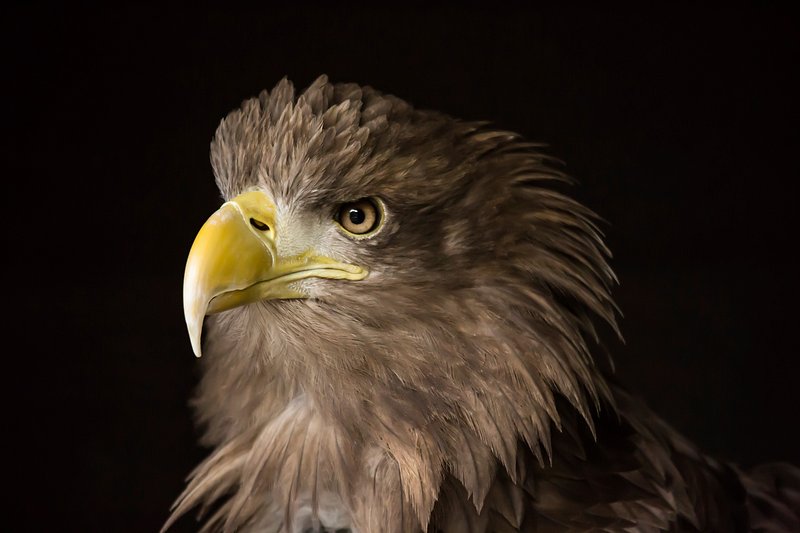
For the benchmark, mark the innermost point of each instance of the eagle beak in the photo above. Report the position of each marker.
(234, 261)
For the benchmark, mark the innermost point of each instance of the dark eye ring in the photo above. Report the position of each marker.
(360, 217)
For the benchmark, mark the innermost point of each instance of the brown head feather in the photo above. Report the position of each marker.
(475, 316)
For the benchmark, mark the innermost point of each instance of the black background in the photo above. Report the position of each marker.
(680, 125)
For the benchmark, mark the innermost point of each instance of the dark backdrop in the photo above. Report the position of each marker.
(680, 125)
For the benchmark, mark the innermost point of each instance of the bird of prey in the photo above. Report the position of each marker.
(400, 319)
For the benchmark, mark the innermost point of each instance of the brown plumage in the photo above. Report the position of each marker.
(453, 388)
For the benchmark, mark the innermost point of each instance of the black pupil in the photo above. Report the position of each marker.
(357, 216)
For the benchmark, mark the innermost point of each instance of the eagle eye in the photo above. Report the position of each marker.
(360, 217)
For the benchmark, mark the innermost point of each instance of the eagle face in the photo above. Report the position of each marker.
(391, 278)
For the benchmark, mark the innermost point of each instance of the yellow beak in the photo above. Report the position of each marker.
(234, 261)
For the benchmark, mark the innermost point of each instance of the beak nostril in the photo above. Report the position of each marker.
(258, 225)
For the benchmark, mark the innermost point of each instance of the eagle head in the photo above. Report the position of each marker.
(387, 295)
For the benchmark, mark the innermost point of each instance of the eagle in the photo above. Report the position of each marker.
(397, 312)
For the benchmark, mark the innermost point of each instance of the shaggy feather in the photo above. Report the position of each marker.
(454, 388)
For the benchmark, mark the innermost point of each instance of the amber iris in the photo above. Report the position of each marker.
(359, 217)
